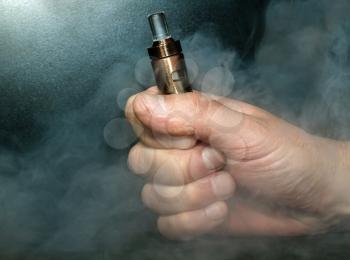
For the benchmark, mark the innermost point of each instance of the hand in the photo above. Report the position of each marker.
(218, 165)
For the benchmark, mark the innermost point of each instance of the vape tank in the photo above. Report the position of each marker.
(167, 59)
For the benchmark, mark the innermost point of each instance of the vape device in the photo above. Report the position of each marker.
(168, 62)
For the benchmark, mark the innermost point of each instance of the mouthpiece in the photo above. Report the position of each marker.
(159, 26)
(168, 62)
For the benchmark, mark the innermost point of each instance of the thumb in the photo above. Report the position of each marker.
(192, 114)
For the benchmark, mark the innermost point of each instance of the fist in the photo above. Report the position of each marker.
(218, 165)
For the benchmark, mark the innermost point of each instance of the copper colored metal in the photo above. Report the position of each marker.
(169, 65)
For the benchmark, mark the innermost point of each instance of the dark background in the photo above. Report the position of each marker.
(66, 194)
(55, 72)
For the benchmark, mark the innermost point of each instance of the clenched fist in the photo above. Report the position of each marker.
(218, 165)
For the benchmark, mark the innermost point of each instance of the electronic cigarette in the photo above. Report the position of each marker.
(168, 62)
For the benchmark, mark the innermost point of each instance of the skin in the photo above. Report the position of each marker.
(214, 165)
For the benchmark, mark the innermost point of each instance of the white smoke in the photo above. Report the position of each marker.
(73, 193)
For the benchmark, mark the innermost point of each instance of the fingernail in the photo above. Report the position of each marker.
(222, 185)
(216, 211)
(156, 103)
(212, 159)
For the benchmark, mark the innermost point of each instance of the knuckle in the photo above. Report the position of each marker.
(129, 114)
(133, 157)
(142, 159)
(199, 101)
(153, 89)
(186, 223)
(139, 107)
(184, 163)
(203, 106)
(193, 196)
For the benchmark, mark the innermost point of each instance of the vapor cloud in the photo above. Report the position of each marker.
(72, 191)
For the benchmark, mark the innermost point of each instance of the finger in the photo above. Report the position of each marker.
(175, 167)
(167, 200)
(153, 90)
(180, 114)
(194, 223)
(129, 110)
(195, 114)
(154, 139)
(240, 106)
(233, 104)
(164, 141)
(247, 220)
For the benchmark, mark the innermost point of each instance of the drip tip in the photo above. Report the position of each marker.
(159, 26)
